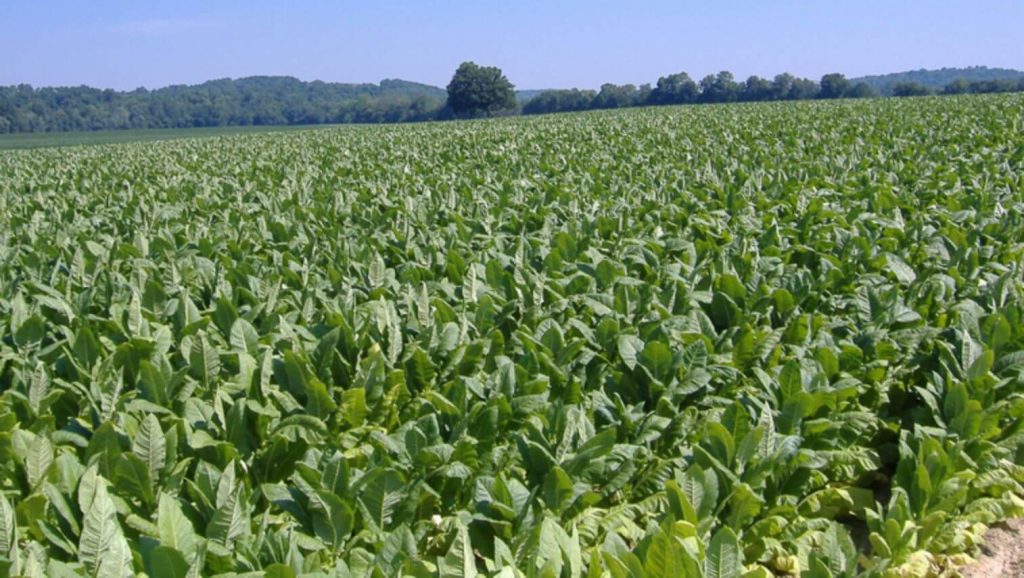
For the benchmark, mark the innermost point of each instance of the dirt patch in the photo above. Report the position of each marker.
(1002, 556)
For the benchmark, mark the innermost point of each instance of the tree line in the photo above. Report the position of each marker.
(936, 80)
(723, 87)
(474, 91)
(243, 102)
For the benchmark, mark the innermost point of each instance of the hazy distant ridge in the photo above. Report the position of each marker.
(937, 79)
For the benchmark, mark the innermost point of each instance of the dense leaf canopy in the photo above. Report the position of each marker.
(695, 341)
(480, 90)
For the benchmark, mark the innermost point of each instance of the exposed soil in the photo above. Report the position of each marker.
(1002, 556)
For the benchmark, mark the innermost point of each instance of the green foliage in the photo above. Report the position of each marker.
(936, 80)
(767, 340)
(834, 86)
(911, 89)
(480, 90)
(252, 101)
(549, 101)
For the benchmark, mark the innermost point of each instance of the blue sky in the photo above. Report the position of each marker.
(539, 44)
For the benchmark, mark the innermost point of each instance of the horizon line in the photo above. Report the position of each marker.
(428, 84)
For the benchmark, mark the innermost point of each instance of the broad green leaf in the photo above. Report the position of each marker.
(667, 558)
(278, 571)
(420, 370)
(176, 530)
(724, 556)
(904, 273)
(244, 337)
(102, 548)
(38, 460)
(332, 519)
(204, 361)
(150, 446)
(630, 347)
(680, 503)
(558, 490)
(166, 562)
(8, 531)
(230, 521)
(458, 561)
(131, 478)
(656, 358)
(380, 493)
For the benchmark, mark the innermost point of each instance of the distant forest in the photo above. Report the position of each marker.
(266, 100)
(939, 80)
(253, 101)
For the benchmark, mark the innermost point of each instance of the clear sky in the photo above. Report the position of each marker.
(539, 44)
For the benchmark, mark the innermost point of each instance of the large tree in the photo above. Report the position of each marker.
(756, 89)
(480, 90)
(674, 89)
(616, 96)
(719, 88)
(834, 85)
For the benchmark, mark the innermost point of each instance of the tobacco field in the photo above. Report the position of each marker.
(746, 340)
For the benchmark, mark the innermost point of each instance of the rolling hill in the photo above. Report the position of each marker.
(937, 79)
